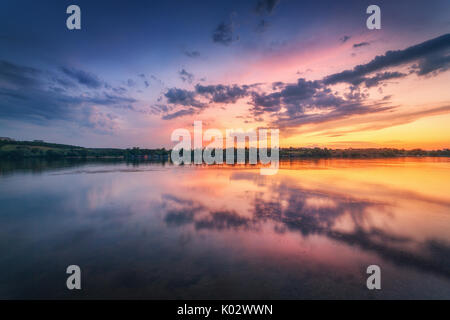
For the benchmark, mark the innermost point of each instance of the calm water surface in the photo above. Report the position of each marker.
(160, 231)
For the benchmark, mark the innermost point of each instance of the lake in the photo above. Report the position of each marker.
(158, 231)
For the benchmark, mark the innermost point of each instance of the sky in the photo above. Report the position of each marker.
(137, 70)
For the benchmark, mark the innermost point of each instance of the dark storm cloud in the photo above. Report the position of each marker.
(265, 6)
(360, 44)
(82, 77)
(423, 51)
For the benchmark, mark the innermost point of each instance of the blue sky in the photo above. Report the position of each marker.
(121, 80)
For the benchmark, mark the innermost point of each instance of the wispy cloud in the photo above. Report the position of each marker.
(186, 76)
(361, 44)
(344, 38)
(192, 53)
(292, 105)
(265, 6)
(82, 77)
(225, 33)
(41, 96)
(431, 55)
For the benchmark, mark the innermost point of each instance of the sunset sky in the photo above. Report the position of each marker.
(137, 70)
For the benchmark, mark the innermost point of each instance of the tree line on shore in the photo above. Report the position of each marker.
(38, 149)
(34, 149)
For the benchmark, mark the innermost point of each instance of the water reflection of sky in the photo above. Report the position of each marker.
(158, 231)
